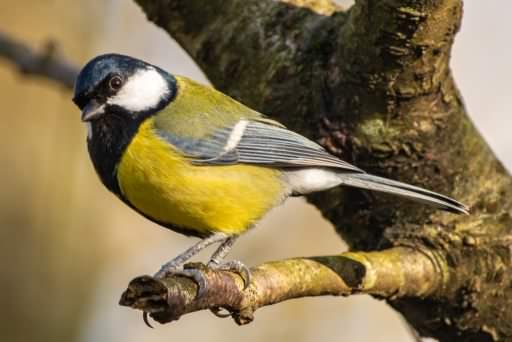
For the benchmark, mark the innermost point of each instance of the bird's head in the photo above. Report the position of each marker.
(120, 84)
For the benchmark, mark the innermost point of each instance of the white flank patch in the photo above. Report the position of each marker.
(305, 181)
(89, 130)
(142, 91)
(236, 135)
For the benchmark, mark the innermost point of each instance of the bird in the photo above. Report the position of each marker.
(200, 163)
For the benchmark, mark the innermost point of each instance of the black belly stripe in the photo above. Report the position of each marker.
(111, 134)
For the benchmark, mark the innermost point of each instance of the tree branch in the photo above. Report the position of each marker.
(373, 85)
(403, 45)
(393, 273)
(46, 64)
(245, 45)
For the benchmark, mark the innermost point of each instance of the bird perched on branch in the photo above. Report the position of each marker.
(200, 163)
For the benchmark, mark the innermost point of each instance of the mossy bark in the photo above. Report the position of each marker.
(373, 85)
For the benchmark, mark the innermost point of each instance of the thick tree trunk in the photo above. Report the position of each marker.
(373, 85)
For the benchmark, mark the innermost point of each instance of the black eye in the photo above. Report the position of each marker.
(115, 82)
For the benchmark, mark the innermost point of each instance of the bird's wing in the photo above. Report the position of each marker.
(265, 142)
(256, 141)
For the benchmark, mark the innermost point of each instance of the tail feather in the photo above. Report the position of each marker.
(370, 182)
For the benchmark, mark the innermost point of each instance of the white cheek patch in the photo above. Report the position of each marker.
(142, 91)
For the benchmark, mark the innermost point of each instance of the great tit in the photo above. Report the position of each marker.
(200, 163)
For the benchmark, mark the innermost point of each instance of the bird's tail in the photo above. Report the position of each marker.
(370, 182)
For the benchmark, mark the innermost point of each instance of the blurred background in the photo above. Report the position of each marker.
(68, 248)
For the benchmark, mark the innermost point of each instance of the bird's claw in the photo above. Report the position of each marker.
(234, 266)
(197, 274)
(217, 311)
(165, 270)
(194, 271)
(145, 318)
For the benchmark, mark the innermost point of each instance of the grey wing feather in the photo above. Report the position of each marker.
(204, 151)
(276, 146)
(375, 183)
(260, 143)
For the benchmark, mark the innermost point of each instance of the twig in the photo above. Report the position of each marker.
(46, 63)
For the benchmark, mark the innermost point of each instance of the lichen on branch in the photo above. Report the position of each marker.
(397, 272)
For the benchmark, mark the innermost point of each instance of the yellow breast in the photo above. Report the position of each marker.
(160, 183)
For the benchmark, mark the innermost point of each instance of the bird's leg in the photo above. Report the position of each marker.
(222, 251)
(216, 261)
(174, 266)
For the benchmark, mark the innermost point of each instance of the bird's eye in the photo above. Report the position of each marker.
(115, 82)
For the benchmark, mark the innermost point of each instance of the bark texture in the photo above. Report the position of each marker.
(383, 274)
(373, 85)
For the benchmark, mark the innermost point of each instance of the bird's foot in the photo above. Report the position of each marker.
(166, 269)
(196, 271)
(220, 312)
(191, 270)
(234, 266)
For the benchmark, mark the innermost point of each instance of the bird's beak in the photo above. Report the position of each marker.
(92, 110)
